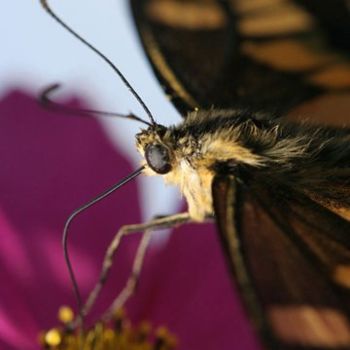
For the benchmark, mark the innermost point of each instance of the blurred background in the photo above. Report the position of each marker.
(37, 52)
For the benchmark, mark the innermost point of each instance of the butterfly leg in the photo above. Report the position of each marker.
(159, 223)
(131, 283)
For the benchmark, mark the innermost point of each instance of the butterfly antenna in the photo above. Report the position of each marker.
(65, 236)
(45, 99)
(45, 5)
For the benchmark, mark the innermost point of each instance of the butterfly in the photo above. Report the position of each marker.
(278, 188)
(234, 69)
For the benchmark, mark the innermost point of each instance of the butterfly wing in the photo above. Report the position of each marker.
(268, 55)
(291, 259)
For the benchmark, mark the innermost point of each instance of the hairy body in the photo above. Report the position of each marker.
(305, 157)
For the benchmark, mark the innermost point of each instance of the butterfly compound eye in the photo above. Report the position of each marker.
(158, 159)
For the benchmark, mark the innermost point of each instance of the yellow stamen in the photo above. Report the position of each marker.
(65, 314)
(118, 334)
(53, 337)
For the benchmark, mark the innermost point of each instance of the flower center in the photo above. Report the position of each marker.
(118, 334)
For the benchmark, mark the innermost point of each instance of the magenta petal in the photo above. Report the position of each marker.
(50, 165)
(191, 291)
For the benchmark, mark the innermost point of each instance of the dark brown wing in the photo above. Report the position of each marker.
(291, 260)
(267, 55)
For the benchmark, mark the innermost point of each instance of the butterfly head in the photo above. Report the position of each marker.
(176, 158)
(157, 153)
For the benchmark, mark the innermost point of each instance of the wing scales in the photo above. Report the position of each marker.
(290, 250)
